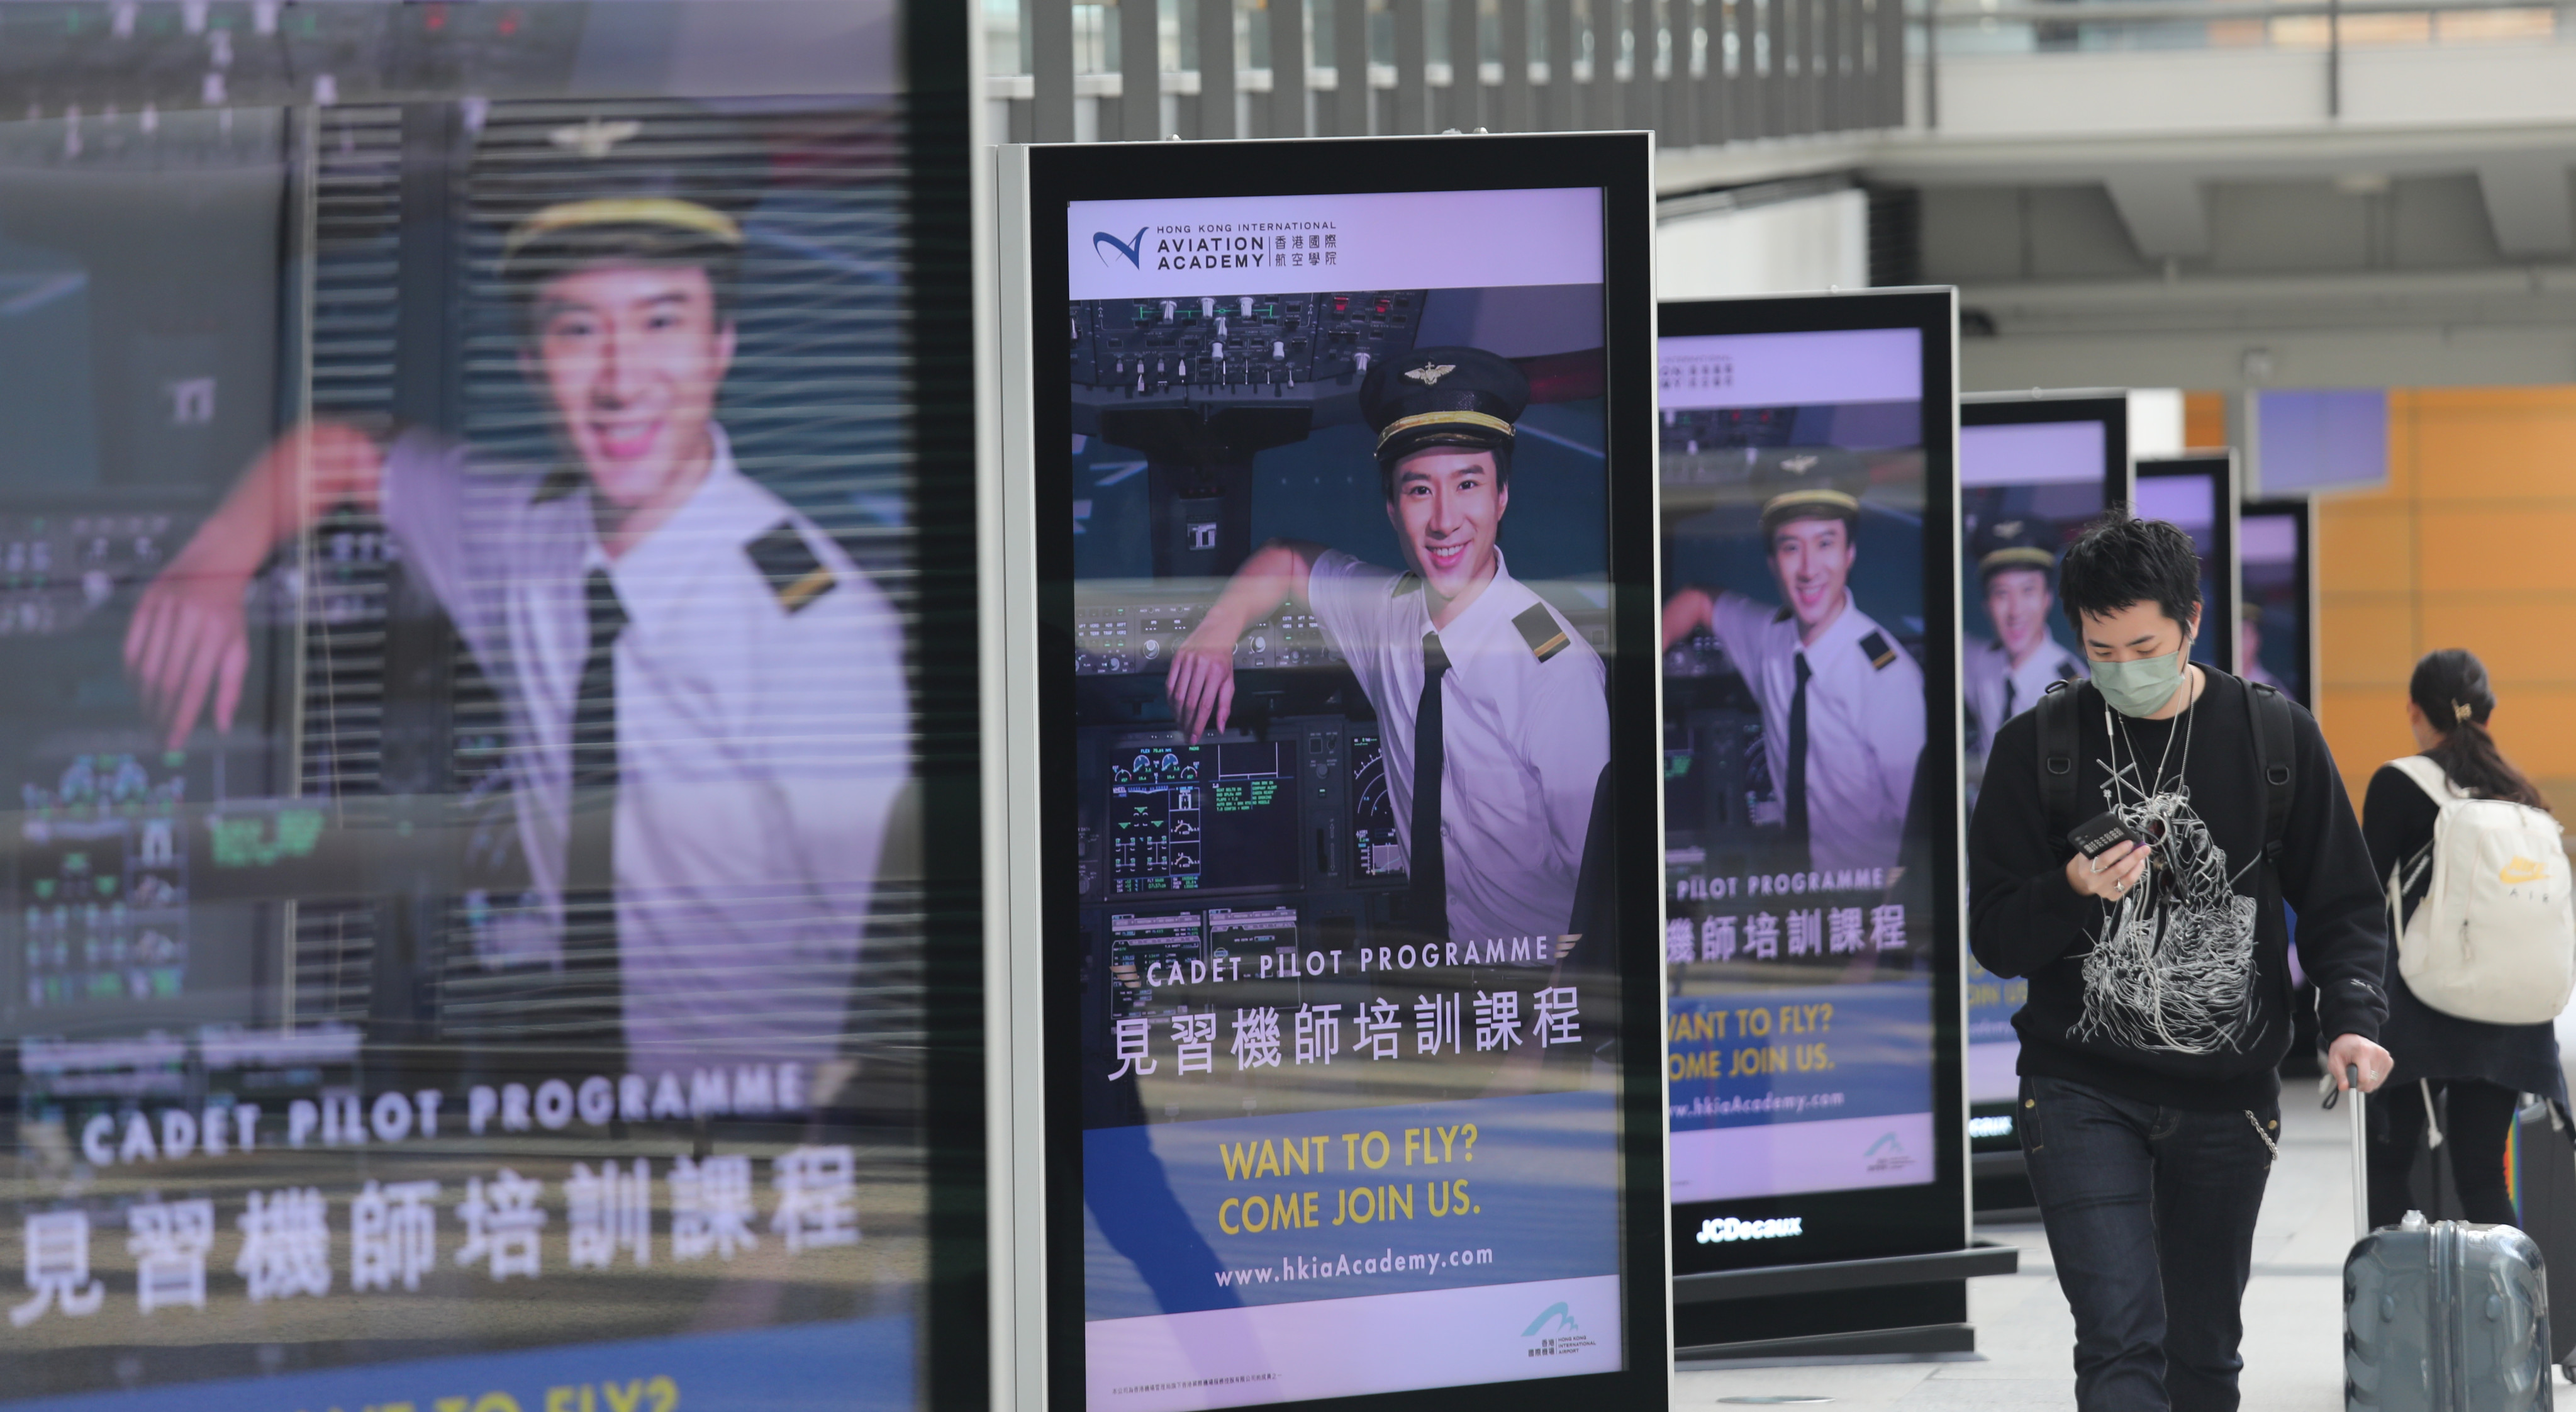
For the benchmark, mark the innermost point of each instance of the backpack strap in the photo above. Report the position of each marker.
(2429, 778)
(2275, 746)
(2057, 749)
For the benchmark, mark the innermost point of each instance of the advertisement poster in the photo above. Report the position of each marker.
(2273, 627)
(2198, 493)
(2032, 476)
(1799, 805)
(1348, 1009)
(468, 916)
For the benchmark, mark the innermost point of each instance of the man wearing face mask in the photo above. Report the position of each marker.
(2159, 979)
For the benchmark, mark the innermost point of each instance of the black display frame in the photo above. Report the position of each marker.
(2302, 515)
(2111, 409)
(1621, 166)
(1878, 1222)
(2225, 576)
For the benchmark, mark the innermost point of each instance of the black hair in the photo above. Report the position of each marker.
(2450, 688)
(2123, 560)
(1502, 464)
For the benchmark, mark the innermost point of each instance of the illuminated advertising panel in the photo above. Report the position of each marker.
(2033, 474)
(2198, 493)
(494, 865)
(1350, 987)
(1811, 723)
(2275, 625)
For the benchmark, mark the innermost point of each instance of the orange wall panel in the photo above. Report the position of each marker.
(2204, 419)
(2471, 544)
(2526, 546)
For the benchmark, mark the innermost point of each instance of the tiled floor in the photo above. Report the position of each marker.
(2293, 1311)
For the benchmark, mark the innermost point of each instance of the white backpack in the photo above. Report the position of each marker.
(2495, 937)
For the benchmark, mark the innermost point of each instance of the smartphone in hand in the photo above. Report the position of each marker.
(2102, 833)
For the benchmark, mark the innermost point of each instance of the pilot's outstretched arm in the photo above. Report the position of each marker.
(187, 645)
(1201, 679)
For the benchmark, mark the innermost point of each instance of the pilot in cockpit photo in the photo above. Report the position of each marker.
(1496, 722)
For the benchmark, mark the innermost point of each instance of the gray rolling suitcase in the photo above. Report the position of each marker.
(2441, 1316)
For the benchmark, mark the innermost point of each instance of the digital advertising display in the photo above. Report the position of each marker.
(1350, 980)
(2197, 492)
(1811, 775)
(495, 850)
(2275, 625)
(2033, 474)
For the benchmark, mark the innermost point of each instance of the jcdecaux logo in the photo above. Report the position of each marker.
(1717, 1230)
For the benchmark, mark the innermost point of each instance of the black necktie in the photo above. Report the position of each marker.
(590, 854)
(2008, 698)
(1426, 868)
(1797, 801)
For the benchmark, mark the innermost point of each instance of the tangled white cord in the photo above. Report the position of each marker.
(2173, 967)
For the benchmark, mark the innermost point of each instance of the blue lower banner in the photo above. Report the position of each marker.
(863, 1365)
(1424, 1245)
(1824, 1088)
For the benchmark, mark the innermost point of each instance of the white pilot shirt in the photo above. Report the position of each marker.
(1985, 673)
(760, 750)
(1522, 742)
(1865, 717)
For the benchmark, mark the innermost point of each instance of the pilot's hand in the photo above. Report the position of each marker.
(1201, 681)
(187, 646)
(1687, 613)
(187, 643)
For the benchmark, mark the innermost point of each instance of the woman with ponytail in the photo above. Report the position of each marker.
(2477, 1068)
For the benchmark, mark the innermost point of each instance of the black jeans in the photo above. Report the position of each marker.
(2150, 1214)
(2477, 1116)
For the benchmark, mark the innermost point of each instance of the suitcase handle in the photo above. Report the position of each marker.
(2360, 1152)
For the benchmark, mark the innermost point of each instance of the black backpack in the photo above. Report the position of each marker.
(2266, 709)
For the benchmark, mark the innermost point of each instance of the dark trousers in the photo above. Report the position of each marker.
(2477, 1116)
(2150, 1215)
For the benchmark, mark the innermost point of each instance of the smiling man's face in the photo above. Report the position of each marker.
(1448, 504)
(1813, 561)
(632, 358)
(2018, 603)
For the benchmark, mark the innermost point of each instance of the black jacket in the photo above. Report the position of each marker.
(2181, 995)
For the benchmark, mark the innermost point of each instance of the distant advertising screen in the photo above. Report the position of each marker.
(1343, 985)
(2198, 493)
(1808, 773)
(2274, 625)
(2032, 476)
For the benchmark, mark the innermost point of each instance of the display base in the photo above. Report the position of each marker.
(1913, 1304)
(1917, 1340)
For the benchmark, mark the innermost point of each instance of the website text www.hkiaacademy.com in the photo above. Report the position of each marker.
(1760, 1103)
(1291, 1268)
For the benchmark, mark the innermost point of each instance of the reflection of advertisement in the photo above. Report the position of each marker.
(1340, 599)
(2026, 490)
(1796, 718)
(463, 860)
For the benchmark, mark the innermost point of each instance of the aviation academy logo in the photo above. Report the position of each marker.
(1128, 247)
(1554, 1334)
(1305, 243)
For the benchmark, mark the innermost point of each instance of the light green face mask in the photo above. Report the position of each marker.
(2141, 688)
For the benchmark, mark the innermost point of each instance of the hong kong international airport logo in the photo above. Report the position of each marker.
(1553, 1334)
